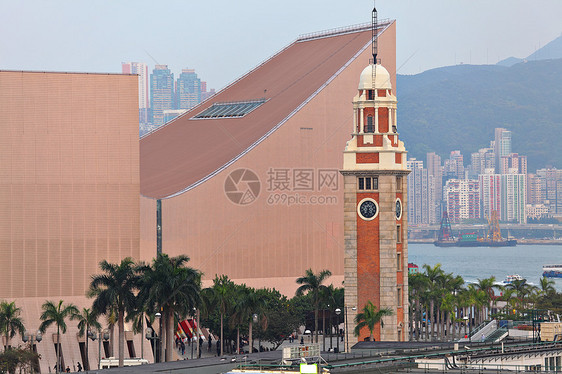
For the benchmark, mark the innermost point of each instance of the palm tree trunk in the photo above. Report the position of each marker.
(222, 337)
(316, 324)
(250, 340)
(238, 340)
(111, 340)
(121, 323)
(58, 349)
(170, 334)
(87, 359)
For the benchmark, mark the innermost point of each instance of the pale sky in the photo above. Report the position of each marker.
(224, 39)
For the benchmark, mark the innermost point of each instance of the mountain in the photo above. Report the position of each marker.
(458, 107)
(552, 50)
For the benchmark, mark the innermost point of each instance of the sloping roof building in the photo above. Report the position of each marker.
(248, 180)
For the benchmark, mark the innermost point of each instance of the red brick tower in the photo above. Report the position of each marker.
(375, 206)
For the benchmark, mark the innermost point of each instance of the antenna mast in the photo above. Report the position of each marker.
(374, 27)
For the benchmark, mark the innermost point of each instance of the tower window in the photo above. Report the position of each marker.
(398, 234)
(399, 296)
(398, 183)
(369, 124)
(367, 183)
(399, 261)
(370, 95)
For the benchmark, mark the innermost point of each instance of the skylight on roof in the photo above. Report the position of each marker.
(230, 110)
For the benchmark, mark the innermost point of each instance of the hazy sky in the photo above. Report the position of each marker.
(224, 39)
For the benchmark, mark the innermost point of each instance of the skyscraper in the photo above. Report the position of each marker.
(141, 69)
(418, 192)
(502, 147)
(161, 93)
(435, 177)
(188, 89)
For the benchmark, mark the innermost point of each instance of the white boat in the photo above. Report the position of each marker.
(513, 277)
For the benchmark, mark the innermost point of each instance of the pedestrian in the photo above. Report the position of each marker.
(302, 339)
(182, 346)
(200, 346)
(218, 347)
(483, 337)
(209, 343)
(68, 369)
(79, 366)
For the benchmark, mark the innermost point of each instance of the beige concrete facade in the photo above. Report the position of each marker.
(69, 190)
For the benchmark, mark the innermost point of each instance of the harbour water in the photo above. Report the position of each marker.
(482, 262)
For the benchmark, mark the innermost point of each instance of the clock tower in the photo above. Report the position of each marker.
(375, 206)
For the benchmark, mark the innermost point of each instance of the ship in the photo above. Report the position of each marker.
(493, 236)
(552, 271)
(514, 277)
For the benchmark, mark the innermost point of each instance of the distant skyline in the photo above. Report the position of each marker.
(222, 39)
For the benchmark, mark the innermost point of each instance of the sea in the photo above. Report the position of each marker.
(482, 262)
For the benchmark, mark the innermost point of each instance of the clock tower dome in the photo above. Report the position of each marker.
(375, 206)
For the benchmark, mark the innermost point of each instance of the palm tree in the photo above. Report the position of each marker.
(221, 294)
(87, 319)
(434, 291)
(312, 283)
(172, 287)
(417, 284)
(546, 286)
(116, 289)
(369, 317)
(57, 313)
(10, 321)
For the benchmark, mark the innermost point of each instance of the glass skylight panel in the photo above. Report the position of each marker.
(230, 110)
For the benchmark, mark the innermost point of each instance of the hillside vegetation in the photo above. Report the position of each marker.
(458, 107)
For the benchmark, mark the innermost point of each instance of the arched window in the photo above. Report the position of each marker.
(369, 127)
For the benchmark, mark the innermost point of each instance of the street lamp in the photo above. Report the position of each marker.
(30, 337)
(101, 335)
(338, 312)
(467, 321)
(151, 335)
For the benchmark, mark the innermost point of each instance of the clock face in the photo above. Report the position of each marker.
(398, 208)
(367, 209)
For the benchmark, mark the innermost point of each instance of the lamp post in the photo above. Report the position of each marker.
(338, 312)
(467, 321)
(31, 337)
(101, 335)
(154, 338)
(254, 321)
(197, 330)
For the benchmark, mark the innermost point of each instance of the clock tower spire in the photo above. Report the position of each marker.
(375, 201)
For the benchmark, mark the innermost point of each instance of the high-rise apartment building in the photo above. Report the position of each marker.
(454, 166)
(463, 200)
(480, 161)
(435, 177)
(188, 89)
(502, 147)
(513, 198)
(161, 93)
(550, 179)
(418, 192)
(141, 69)
(504, 193)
